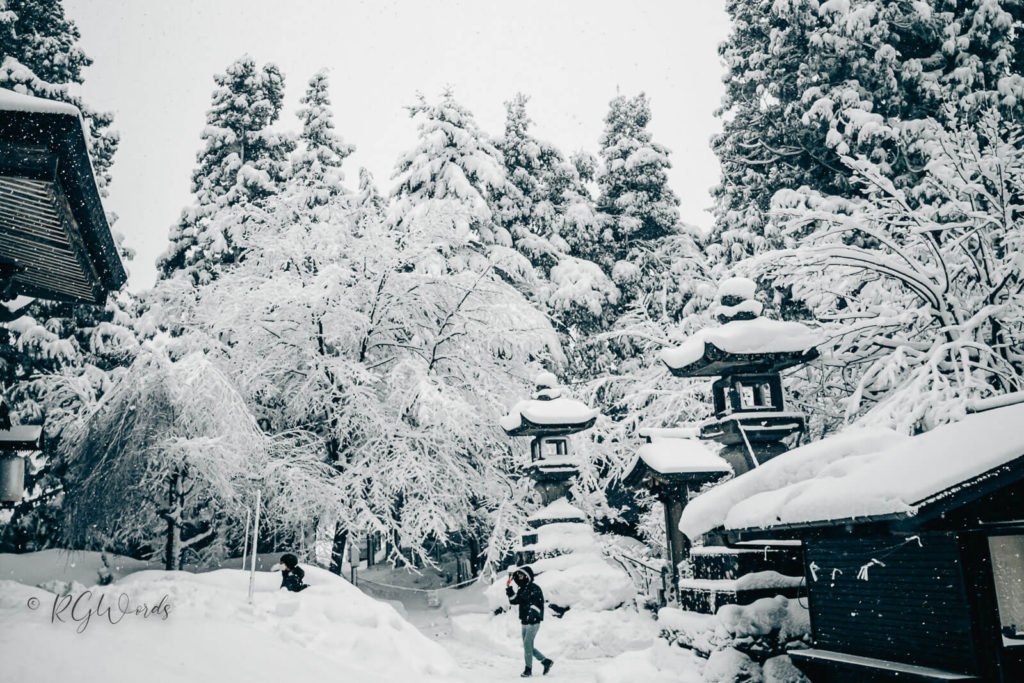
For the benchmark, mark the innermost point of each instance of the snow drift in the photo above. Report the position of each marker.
(331, 631)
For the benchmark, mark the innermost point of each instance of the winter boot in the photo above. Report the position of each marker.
(547, 665)
(527, 673)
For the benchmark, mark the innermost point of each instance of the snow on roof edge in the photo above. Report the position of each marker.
(12, 100)
(860, 474)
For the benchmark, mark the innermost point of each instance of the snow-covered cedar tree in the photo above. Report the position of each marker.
(168, 460)
(639, 206)
(242, 160)
(543, 199)
(918, 290)
(400, 368)
(59, 356)
(649, 255)
(809, 82)
(370, 205)
(443, 188)
(321, 152)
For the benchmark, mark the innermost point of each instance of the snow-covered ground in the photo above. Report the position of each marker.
(201, 628)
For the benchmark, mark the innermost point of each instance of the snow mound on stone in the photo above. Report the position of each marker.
(330, 631)
(559, 509)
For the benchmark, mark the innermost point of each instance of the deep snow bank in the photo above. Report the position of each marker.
(331, 631)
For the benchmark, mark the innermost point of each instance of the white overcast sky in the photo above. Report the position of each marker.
(154, 62)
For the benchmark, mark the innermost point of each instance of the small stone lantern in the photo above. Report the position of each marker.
(550, 417)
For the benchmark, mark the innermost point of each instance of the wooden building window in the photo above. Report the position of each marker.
(1008, 574)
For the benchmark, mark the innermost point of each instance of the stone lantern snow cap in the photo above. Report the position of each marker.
(744, 342)
(547, 387)
(736, 300)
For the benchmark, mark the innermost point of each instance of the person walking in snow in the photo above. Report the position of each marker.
(291, 573)
(530, 599)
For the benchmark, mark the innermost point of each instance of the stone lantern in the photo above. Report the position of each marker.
(746, 353)
(550, 417)
(674, 465)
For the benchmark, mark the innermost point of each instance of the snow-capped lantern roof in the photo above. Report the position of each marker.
(745, 342)
(865, 475)
(57, 243)
(675, 455)
(549, 412)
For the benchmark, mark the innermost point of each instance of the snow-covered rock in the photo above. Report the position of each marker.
(559, 509)
(659, 663)
(738, 287)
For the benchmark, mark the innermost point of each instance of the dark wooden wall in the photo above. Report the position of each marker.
(913, 610)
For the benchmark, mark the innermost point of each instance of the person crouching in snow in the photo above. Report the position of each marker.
(291, 573)
(530, 599)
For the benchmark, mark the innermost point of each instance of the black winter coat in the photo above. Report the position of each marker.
(292, 579)
(530, 599)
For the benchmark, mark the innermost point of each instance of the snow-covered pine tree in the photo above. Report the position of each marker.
(371, 206)
(810, 82)
(59, 356)
(317, 163)
(242, 162)
(543, 199)
(442, 198)
(634, 194)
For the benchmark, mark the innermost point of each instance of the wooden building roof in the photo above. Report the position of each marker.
(55, 242)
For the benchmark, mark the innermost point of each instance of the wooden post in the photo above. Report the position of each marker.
(255, 546)
(675, 543)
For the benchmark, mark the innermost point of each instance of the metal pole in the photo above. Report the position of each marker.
(245, 538)
(255, 538)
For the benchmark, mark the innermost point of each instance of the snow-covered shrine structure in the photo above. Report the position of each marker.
(55, 242)
(675, 465)
(914, 546)
(559, 542)
(550, 417)
(746, 353)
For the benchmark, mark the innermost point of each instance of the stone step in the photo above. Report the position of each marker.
(707, 596)
(732, 562)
